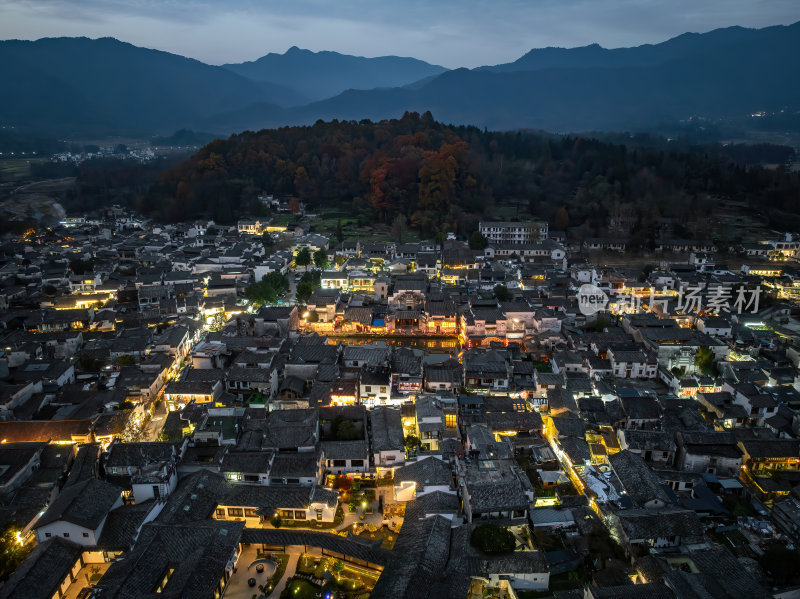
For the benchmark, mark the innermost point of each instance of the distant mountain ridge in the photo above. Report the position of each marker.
(594, 55)
(728, 78)
(79, 86)
(75, 85)
(320, 75)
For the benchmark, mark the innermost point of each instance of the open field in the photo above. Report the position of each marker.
(16, 169)
(325, 223)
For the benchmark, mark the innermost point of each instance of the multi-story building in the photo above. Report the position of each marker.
(513, 232)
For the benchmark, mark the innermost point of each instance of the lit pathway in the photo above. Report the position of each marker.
(291, 568)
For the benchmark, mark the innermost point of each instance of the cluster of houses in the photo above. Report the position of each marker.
(155, 426)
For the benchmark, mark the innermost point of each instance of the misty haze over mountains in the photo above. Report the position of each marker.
(78, 86)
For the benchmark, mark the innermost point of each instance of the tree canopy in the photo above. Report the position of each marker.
(303, 257)
(491, 538)
(267, 290)
(705, 361)
(321, 259)
(445, 178)
(477, 241)
(502, 293)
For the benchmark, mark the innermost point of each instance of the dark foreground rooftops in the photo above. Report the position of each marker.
(84, 504)
(194, 556)
(43, 571)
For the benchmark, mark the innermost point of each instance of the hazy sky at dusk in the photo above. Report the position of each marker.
(448, 32)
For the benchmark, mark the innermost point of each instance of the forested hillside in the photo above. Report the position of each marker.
(445, 178)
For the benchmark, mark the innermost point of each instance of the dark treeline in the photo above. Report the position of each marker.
(17, 142)
(102, 182)
(444, 178)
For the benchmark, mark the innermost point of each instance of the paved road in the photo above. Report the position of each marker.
(33, 184)
(289, 299)
(155, 424)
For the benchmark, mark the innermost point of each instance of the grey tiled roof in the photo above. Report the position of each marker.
(438, 502)
(246, 462)
(419, 559)
(351, 546)
(514, 421)
(720, 565)
(649, 440)
(640, 483)
(576, 448)
(500, 486)
(122, 524)
(426, 472)
(519, 562)
(290, 428)
(387, 429)
(641, 408)
(670, 522)
(139, 455)
(84, 504)
(345, 450)
(569, 427)
(653, 590)
(253, 375)
(294, 465)
(772, 448)
(43, 571)
(268, 499)
(197, 554)
(195, 498)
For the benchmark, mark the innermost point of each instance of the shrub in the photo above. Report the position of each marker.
(343, 483)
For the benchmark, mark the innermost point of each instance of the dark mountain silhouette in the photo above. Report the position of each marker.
(319, 75)
(725, 80)
(80, 85)
(594, 55)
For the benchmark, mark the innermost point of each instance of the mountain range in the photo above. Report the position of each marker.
(320, 75)
(80, 86)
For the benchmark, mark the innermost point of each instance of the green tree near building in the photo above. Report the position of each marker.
(413, 442)
(704, 361)
(502, 293)
(306, 286)
(267, 290)
(217, 322)
(321, 259)
(12, 552)
(339, 233)
(303, 257)
(477, 241)
(491, 538)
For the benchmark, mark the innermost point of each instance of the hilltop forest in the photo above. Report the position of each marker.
(442, 177)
